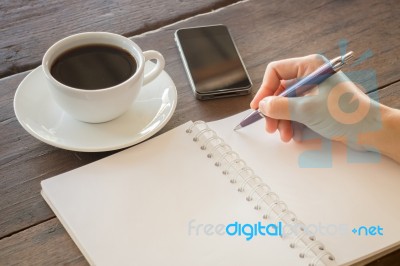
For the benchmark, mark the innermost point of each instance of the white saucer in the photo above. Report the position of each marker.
(45, 120)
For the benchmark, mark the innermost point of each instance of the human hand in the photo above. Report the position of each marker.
(336, 109)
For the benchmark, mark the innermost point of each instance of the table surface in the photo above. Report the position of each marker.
(263, 30)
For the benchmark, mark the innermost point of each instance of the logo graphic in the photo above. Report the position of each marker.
(345, 115)
(251, 230)
(368, 231)
(235, 229)
(261, 229)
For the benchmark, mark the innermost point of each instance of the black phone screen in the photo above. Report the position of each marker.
(212, 60)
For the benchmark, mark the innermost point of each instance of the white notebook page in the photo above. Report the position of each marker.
(144, 205)
(135, 207)
(330, 201)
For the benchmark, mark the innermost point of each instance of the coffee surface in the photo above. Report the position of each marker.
(93, 67)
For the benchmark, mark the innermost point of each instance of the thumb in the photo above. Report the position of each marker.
(278, 107)
(275, 107)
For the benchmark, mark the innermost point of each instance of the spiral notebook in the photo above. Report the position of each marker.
(202, 194)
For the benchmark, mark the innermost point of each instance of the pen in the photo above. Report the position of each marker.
(303, 85)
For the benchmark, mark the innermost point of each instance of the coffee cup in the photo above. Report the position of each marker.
(96, 76)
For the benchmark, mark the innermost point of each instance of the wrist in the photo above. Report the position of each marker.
(386, 140)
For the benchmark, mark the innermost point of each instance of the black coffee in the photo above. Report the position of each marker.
(93, 67)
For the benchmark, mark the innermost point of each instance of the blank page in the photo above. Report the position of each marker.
(329, 194)
(159, 203)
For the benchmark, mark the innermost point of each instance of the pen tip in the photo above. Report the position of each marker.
(237, 127)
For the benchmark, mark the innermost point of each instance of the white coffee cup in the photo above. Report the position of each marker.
(100, 105)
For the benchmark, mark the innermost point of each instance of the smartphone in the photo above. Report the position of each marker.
(212, 62)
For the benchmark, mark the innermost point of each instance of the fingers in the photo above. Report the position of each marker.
(271, 125)
(297, 131)
(287, 69)
(277, 114)
(278, 76)
(285, 130)
(274, 73)
(284, 126)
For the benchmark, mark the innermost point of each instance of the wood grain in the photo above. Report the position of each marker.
(273, 31)
(28, 28)
(45, 244)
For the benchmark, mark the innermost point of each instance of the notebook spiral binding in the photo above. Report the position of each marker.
(265, 201)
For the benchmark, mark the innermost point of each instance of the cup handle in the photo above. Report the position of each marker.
(149, 55)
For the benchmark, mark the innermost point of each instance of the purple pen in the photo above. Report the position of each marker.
(303, 85)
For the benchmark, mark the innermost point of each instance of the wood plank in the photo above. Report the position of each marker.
(24, 161)
(388, 260)
(27, 29)
(277, 30)
(389, 95)
(45, 244)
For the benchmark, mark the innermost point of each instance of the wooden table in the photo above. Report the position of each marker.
(264, 31)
